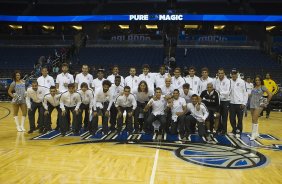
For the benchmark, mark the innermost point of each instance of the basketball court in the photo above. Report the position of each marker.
(139, 158)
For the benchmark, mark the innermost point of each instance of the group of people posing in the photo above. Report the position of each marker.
(181, 105)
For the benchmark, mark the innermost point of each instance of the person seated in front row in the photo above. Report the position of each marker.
(178, 108)
(125, 102)
(158, 104)
(211, 99)
(198, 116)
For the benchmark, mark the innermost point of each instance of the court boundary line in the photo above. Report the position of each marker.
(154, 169)
(9, 112)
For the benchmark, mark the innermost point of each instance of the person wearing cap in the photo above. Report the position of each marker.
(69, 103)
(238, 101)
(97, 83)
(223, 85)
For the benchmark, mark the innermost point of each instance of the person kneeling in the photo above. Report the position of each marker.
(158, 104)
(199, 114)
(178, 109)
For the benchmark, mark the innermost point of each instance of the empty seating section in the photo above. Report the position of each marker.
(249, 61)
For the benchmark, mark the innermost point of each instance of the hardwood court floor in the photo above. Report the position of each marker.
(23, 160)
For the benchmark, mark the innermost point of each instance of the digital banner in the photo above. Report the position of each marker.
(151, 17)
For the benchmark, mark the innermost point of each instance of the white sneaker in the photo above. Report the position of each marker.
(237, 135)
(253, 137)
(19, 129)
(23, 129)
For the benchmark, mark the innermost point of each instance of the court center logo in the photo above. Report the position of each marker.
(226, 152)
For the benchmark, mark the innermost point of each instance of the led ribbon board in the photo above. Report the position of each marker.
(151, 17)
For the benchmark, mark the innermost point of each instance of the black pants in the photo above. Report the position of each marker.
(191, 122)
(223, 111)
(236, 111)
(85, 108)
(176, 125)
(65, 121)
(47, 118)
(31, 115)
(267, 109)
(113, 117)
(138, 124)
(148, 126)
(94, 123)
(128, 119)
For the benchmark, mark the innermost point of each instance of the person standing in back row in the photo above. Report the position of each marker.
(272, 87)
(193, 80)
(132, 80)
(238, 101)
(64, 79)
(84, 77)
(223, 85)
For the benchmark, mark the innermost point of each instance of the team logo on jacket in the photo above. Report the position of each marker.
(195, 82)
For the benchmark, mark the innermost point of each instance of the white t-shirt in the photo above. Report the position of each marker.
(80, 78)
(177, 107)
(47, 81)
(158, 106)
(63, 80)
